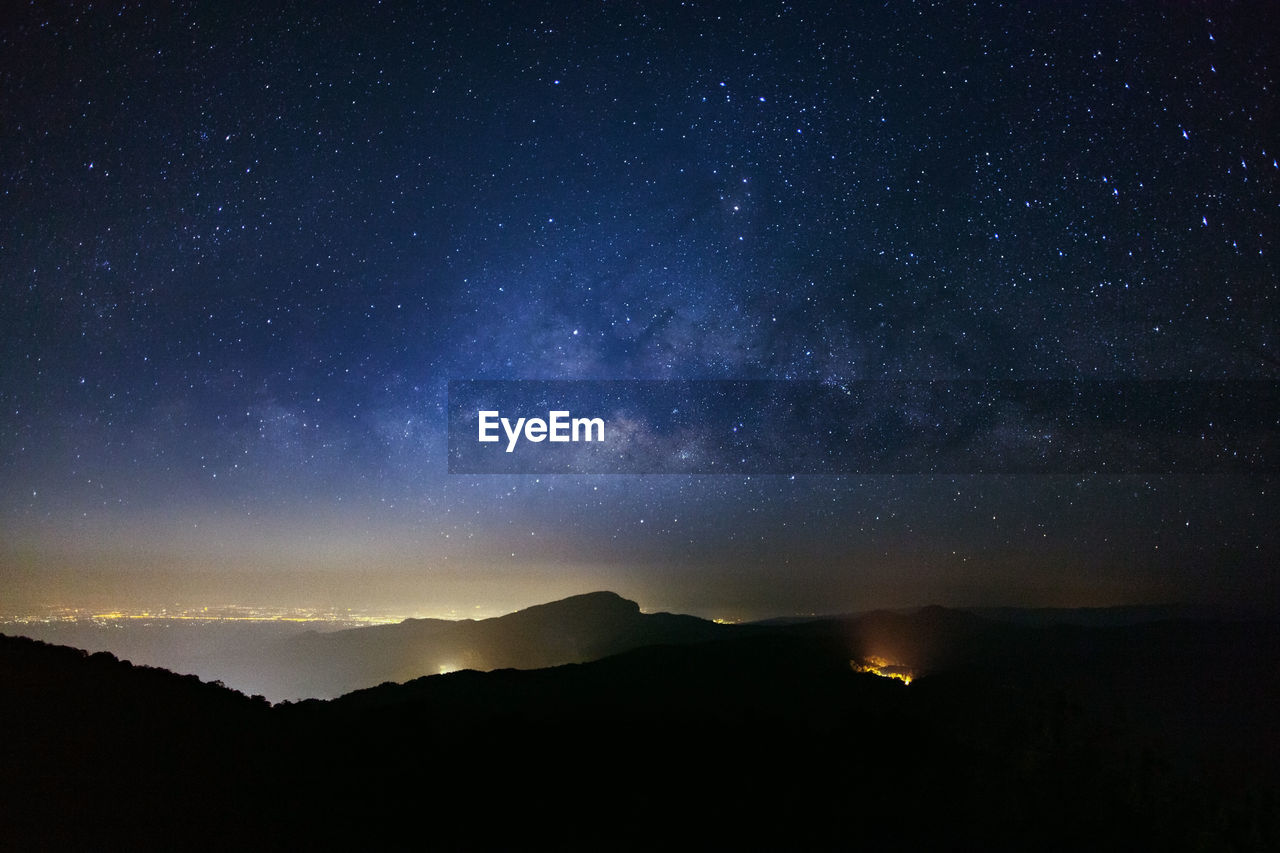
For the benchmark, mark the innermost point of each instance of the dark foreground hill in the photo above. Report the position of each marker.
(1010, 737)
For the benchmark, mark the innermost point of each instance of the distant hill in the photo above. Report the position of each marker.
(1101, 616)
(577, 629)
(1154, 736)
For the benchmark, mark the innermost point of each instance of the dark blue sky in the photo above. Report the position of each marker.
(242, 255)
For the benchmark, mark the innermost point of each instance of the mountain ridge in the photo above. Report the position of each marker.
(575, 629)
(1012, 737)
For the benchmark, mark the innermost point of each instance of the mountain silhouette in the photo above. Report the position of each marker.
(573, 630)
(1011, 736)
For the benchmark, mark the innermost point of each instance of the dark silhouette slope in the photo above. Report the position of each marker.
(1011, 737)
(98, 753)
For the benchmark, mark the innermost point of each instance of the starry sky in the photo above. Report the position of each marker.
(243, 255)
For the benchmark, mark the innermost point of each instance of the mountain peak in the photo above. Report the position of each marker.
(602, 602)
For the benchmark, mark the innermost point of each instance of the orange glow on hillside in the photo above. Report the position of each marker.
(882, 667)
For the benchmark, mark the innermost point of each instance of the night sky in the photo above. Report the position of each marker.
(242, 256)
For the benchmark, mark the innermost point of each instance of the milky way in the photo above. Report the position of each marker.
(243, 256)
